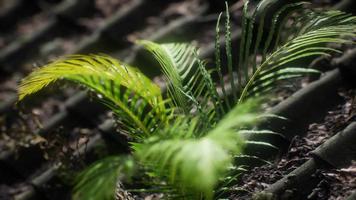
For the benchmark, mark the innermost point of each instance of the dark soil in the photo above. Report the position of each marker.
(335, 184)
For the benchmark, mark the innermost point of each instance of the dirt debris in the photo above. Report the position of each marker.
(335, 184)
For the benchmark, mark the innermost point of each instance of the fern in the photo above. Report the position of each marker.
(195, 140)
(189, 156)
(308, 43)
(320, 29)
(98, 180)
(114, 82)
(191, 86)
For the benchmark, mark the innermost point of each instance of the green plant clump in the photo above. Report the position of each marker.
(187, 143)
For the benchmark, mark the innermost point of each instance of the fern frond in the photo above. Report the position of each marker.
(229, 53)
(244, 25)
(176, 61)
(249, 133)
(218, 66)
(197, 163)
(329, 27)
(99, 179)
(317, 29)
(130, 94)
(190, 85)
(253, 28)
(192, 161)
(278, 57)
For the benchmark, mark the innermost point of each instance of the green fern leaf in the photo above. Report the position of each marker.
(99, 179)
(328, 28)
(130, 94)
(195, 161)
(190, 84)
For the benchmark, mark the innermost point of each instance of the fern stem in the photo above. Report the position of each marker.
(279, 30)
(250, 25)
(274, 24)
(218, 61)
(252, 79)
(259, 34)
(228, 51)
(242, 45)
(211, 87)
